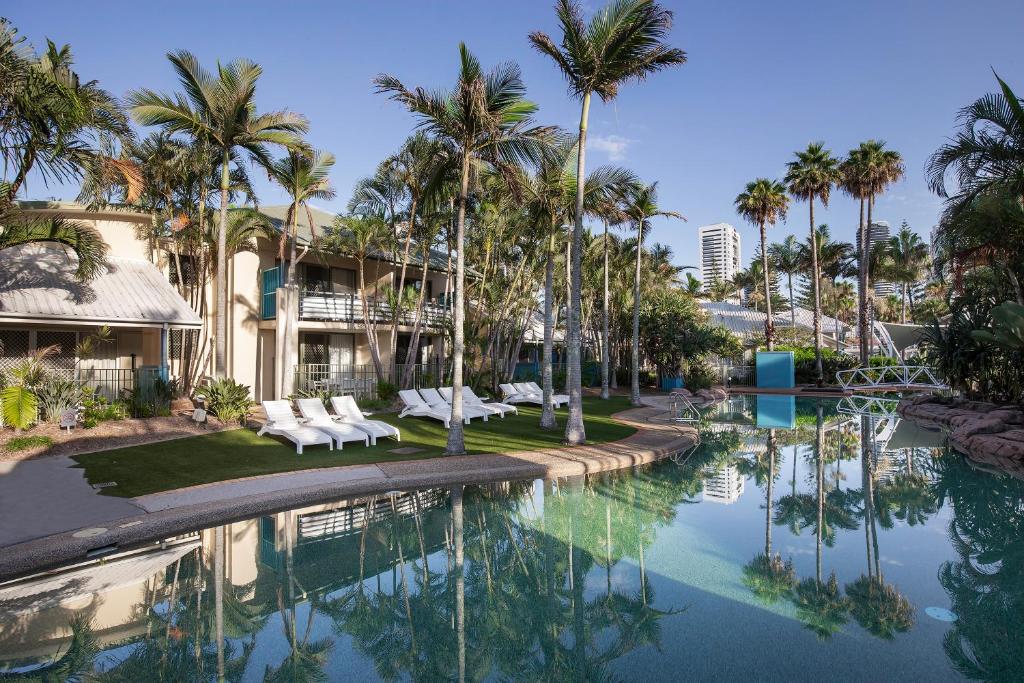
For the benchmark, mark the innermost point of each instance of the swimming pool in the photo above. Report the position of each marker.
(796, 541)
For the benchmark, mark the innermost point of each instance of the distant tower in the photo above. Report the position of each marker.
(878, 232)
(724, 486)
(718, 250)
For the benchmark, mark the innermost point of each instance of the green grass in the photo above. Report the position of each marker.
(140, 470)
(23, 443)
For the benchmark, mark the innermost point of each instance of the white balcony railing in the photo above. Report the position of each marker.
(346, 307)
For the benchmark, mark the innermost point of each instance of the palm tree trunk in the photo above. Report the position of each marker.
(820, 471)
(792, 308)
(397, 313)
(221, 354)
(769, 323)
(218, 593)
(575, 433)
(903, 303)
(816, 284)
(547, 414)
(605, 352)
(768, 495)
(460, 580)
(634, 360)
(456, 439)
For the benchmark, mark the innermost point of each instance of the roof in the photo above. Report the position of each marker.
(324, 221)
(38, 281)
(744, 321)
(122, 212)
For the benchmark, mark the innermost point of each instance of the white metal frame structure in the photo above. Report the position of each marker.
(891, 377)
(682, 409)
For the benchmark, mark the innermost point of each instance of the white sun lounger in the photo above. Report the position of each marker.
(446, 394)
(282, 422)
(317, 417)
(469, 396)
(512, 395)
(417, 407)
(434, 398)
(559, 399)
(349, 413)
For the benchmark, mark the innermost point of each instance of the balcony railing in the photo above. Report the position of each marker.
(360, 381)
(345, 307)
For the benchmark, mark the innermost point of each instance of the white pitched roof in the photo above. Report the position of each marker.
(744, 321)
(38, 281)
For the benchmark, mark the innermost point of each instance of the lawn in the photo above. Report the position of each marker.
(140, 470)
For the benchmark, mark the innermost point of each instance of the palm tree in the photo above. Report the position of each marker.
(220, 111)
(487, 119)
(811, 176)
(764, 202)
(987, 155)
(910, 260)
(786, 257)
(622, 42)
(868, 170)
(641, 206)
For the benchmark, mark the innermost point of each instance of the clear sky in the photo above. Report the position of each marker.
(763, 79)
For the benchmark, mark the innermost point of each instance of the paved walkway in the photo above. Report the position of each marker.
(44, 502)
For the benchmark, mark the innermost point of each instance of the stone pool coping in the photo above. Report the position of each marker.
(173, 512)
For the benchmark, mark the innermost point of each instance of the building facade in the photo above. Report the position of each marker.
(718, 250)
(879, 232)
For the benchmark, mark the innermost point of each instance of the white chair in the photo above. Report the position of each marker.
(417, 407)
(512, 395)
(558, 399)
(317, 417)
(282, 422)
(469, 396)
(349, 413)
(446, 394)
(434, 398)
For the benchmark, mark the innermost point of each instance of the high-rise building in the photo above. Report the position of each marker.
(718, 252)
(877, 233)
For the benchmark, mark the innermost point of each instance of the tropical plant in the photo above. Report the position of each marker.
(641, 205)
(811, 176)
(56, 396)
(1007, 327)
(622, 42)
(487, 120)
(909, 256)
(763, 203)
(785, 256)
(219, 111)
(228, 400)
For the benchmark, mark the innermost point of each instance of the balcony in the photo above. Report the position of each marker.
(347, 308)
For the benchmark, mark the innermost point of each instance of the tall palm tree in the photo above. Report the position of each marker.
(622, 42)
(219, 110)
(811, 176)
(763, 203)
(909, 256)
(487, 119)
(869, 170)
(786, 257)
(304, 176)
(641, 206)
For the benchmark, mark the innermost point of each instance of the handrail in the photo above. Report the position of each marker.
(891, 377)
(870, 406)
(348, 307)
(682, 409)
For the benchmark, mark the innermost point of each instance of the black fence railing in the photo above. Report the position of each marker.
(361, 381)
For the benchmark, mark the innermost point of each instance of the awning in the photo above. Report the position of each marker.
(904, 336)
(37, 282)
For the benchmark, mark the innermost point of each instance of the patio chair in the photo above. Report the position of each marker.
(559, 399)
(446, 394)
(434, 398)
(349, 413)
(417, 407)
(469, 396)
(282, 422)
(316, 416)
(512, 395)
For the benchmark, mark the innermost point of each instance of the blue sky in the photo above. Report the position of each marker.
(763, 80)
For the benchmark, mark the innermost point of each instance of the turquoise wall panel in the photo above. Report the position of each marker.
(776, 412)
(776, 370)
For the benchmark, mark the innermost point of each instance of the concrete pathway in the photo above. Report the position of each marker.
(47, 496)
(44, 502)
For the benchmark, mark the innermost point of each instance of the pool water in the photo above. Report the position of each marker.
(819, 545)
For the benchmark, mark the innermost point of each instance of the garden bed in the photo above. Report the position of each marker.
(105, 436)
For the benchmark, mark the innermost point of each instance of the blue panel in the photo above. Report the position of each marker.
(776, 369)
(670, 383)
(776, 412)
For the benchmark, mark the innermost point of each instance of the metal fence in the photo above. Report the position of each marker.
(361, 381)
(729, 375)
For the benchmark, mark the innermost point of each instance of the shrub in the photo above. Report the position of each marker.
(57, 395)
(24, 443)
(228, 400)
(699, 376)
(20, 407)
(386, 391)
(96, 408)
(831, 363)
(322, 394)
(373, 404)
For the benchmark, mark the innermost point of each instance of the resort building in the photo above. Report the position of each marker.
(147, 296)
(747, 323)
(718, 250)
(878, 232)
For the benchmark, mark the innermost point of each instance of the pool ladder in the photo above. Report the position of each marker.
(682, 409)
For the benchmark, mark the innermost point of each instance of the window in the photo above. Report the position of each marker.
(177, 337)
